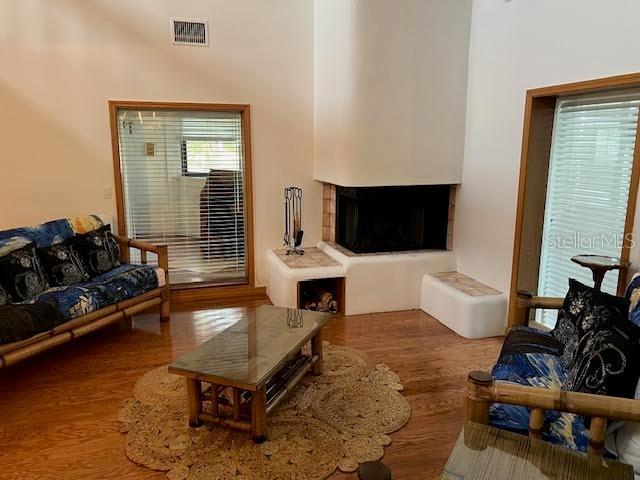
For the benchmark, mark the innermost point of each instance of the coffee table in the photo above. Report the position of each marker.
(484, 452)
(259, 359)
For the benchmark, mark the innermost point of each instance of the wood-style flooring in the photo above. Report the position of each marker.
(58, 410)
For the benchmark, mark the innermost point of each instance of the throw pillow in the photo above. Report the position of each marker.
(21, 274)
(607, 360)
(19, 322)
(584, 309)
(100, 250)
(63, 264)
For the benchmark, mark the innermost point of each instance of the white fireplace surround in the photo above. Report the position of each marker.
(390, 109)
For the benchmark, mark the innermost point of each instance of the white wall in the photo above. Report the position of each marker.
(390, 88)
(516, 46)
(62, 61)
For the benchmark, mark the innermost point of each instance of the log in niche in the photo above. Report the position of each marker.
(323, 294)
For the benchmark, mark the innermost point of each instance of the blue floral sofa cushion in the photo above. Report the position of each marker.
(532, 357)
(121, 283)
(49, 233)
(43, 235)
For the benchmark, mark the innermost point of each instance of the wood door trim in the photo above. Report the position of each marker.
(616, 82)
(245, 112)
(631, 213)
(515, 261)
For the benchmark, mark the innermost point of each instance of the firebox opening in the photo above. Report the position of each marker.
(391, 219)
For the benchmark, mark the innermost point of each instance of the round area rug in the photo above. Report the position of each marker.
(333, 421)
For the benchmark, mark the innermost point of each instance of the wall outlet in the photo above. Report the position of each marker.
(108, 193)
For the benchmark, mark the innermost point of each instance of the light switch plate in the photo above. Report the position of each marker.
(108, 193)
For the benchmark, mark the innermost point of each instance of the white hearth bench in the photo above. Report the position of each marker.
(466, 306)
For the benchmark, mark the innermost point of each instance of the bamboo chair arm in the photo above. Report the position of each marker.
(525, 299)
(162, 252)
(551, 303)
(525, 302)
(482, 391)
(138, 244)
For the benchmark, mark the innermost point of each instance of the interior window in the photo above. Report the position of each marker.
(200, 155)
(587, 189)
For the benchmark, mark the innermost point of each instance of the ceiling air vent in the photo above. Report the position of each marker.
(189, 32)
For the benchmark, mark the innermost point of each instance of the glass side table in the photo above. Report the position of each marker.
(599, 266)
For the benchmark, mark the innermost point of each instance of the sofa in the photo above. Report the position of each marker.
(68, 277)
(576, 385)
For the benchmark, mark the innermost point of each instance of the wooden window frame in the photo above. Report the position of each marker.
(534, 164)
(245, 113)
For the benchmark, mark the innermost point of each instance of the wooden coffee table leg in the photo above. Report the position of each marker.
(194, 397)
(316, 349)
(259, 416)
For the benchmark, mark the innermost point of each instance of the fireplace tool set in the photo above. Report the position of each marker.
(293, 220)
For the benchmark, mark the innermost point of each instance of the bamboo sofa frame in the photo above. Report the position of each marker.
(13, 353)
(482, 391)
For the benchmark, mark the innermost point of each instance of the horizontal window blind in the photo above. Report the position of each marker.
(183, 180)
(588, 188)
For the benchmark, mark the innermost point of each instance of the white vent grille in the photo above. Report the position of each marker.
(189, 32)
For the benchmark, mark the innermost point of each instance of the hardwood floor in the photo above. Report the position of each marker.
(58, 411)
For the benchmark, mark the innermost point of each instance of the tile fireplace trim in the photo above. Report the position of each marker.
(328, 212)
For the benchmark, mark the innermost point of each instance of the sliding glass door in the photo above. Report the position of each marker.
(587, 189)
(183, 176)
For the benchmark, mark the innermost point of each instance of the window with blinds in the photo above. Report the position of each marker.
(587, 189)
(183, 183)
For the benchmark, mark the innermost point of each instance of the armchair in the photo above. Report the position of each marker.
(483, 390)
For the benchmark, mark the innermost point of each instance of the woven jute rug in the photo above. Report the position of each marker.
(333, 421)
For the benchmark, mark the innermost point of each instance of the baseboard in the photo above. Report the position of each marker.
(215, 295)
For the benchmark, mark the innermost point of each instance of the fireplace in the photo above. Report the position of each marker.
(391, 219)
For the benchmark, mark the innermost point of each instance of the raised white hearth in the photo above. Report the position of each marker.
(373, 282)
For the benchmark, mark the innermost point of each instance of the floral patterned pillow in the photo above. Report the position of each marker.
(63, 264)
(22, 275)
(585, 309)
(606, 361)
(100, 250)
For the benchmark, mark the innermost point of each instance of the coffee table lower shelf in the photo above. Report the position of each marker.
(260, 405)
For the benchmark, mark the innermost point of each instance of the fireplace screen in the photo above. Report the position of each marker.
(388, 219)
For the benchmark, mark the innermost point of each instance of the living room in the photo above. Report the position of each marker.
(319, 239)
